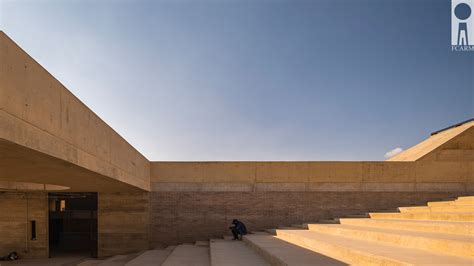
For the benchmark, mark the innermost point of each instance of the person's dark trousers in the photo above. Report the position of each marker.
(235, 233)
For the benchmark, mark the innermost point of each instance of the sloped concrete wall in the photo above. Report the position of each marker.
(197, 200)
(16, 211)
(458, 149)
(38, 112)
(452, 144)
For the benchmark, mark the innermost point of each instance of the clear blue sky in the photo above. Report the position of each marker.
(255, 80)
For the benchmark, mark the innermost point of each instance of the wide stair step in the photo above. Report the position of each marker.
(447, 227)
(279, 252)
(457, 245)
(449, 209)
(151, 257)
(461, 201)
(434, 216)
(188, 254)
(363, 252)
(466, 200)
(229, 252)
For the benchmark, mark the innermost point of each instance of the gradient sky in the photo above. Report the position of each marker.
(255, 80)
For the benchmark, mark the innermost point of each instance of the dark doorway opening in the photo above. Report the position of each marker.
(73, 224)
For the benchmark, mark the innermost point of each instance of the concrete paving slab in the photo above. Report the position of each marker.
(279, 252)
(201, 243)
(63, 261)
(150, 258)
(187, 255)
(90, 262)
(118, 260)
(233, 252)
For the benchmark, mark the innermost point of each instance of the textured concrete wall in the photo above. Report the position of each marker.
(422, 176)
(38, 112)
(16, 211)
(123, 223)
(197, 200)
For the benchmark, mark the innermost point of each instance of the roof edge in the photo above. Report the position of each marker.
(453, 126)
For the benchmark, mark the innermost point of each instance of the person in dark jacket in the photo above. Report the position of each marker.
(238, 229)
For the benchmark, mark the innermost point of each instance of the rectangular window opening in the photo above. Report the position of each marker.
(62, 206)
(33, 230)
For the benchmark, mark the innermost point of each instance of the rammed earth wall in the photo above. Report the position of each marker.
(17, 210)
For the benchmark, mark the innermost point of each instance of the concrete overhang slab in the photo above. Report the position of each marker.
(21, 164)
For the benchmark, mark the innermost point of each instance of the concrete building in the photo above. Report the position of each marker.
(70, 183)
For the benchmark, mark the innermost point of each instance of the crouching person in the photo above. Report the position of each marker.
(238, 229)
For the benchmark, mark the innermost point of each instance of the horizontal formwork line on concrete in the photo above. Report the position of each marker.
(308, 187)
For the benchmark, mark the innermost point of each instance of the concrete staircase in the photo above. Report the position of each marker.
(441, 233)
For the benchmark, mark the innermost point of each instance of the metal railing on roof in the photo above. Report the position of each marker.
(453, 126)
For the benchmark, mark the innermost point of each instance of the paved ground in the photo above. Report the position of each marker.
(63, 261)
(188, 255)
(232, 253)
